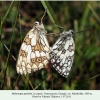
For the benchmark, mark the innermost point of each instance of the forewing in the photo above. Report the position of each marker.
(33, 53)
(62, 55)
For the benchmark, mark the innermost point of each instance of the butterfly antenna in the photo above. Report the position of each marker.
(43, 15)
(84, 30)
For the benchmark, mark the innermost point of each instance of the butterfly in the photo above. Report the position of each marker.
(62, 53)
(34, 51)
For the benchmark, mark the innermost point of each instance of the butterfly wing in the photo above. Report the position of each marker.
(34, 52)
(62, 55)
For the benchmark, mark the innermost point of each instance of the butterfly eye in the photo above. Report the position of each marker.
(36, 23)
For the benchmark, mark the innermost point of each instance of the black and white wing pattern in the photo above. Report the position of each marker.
(62, 53)
(34, 51)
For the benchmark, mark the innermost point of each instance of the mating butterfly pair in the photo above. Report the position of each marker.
(35, 52)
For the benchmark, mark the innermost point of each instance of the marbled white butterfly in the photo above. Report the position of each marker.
(62, 53)
(34, 51)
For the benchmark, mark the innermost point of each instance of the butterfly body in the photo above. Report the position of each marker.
(34, 51)
(62, 53)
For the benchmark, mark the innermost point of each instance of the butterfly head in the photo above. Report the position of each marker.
(68, 33)
(38, 25)
(71, 32)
